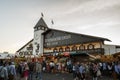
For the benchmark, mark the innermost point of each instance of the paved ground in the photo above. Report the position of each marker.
(57, 76)
(64, 76)
(67, 76)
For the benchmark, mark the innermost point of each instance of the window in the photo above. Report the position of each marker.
(61, 49)
(42, 28)
(74, 48)
(82, 47)
(67, 49)
(38, 28)
(46, 29)
(55, 50)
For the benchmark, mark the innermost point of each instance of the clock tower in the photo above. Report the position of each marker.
(39, 28)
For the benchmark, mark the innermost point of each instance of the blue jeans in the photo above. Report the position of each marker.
(30, 75)
(39, 75)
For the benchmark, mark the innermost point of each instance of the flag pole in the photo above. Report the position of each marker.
(52, 23)
(42, 15)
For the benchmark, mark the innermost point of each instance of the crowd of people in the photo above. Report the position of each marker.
(25, 70)
(95, 70)
(7, 70)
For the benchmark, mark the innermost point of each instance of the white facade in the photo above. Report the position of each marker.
(110, 49)
(38, 41)
(38, 37)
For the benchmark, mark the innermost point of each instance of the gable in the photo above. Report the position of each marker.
(41, 22)
(54, 38)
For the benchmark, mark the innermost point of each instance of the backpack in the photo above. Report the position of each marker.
(2, 75)
(10, 71)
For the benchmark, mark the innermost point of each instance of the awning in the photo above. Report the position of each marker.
(76, 53)
(72, 52)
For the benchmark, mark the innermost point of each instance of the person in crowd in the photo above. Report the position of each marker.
(73, 70)
(47, 67)
(82, 71)
(39, 70)
(1, 69)
(101, 66)
(87, 71)
(25, 71)
(63, 67)
(11, 71)
(44, 66)
(69, 66)
(94, 70)
(3, 72)
(110, 68)
(31, 66)
(117, 70)
(104, 69)
(59, 67)
(76, 74)
(20, 71)
(52, 66)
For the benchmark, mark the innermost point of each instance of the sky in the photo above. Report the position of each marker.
(92, 17)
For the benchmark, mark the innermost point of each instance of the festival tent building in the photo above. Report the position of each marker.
(58, 43)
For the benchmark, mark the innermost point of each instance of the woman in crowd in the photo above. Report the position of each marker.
(26, 68)
(94, 70)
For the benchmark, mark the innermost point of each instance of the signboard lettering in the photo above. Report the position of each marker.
(58, 38)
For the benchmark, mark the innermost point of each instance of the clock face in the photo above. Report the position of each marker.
(36, 36)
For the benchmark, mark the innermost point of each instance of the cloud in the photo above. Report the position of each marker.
(99, 25)
(92, 5)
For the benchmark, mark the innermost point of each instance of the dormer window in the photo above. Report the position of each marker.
(42, 28)
(38, 28)
(46, 29)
